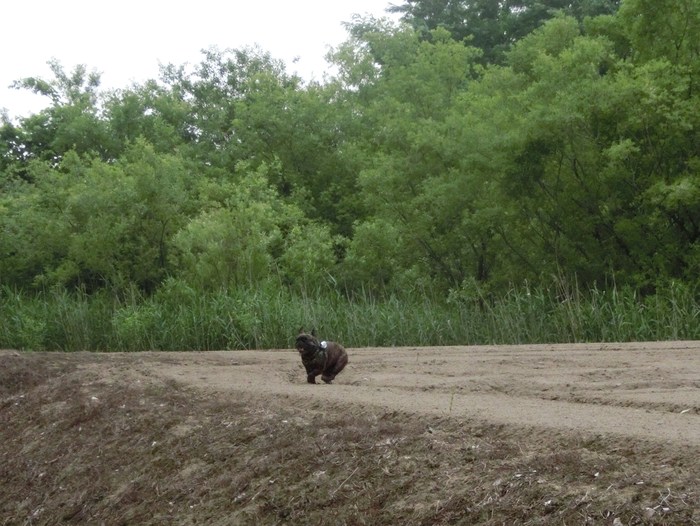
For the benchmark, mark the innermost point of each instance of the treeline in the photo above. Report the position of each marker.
(476, 148)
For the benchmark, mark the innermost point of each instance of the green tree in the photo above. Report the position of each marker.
(246, 234)
(568, 160)
(245, 107)
(90, 224)
(603, 144)
(663, 29)
(411, 174)
(150, 112)
(494, 25)
(72, 121)
(32, 240)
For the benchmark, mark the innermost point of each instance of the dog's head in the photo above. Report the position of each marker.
(307, 342)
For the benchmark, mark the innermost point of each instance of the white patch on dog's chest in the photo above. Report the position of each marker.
(324, 345)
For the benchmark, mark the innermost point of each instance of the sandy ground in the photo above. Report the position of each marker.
(600, 434)
(645, 390)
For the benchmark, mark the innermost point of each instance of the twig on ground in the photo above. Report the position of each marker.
(323, 454)
(343, 483)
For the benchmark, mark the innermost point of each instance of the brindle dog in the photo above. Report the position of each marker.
(324, 358)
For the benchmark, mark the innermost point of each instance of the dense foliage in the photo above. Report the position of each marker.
(476, 146)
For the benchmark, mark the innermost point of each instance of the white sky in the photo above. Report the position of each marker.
(126, 40)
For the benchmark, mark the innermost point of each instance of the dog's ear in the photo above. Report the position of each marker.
(313, 332)
(301, 330)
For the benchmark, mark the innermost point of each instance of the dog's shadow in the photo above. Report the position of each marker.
(296, 375)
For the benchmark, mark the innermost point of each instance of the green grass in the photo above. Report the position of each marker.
(178, 317)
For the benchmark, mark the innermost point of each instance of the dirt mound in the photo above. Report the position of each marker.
(569, 434)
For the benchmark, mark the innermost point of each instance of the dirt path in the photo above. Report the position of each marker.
(641, 390)
(546, 434)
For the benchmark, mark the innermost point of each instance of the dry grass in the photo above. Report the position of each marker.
(82, 448)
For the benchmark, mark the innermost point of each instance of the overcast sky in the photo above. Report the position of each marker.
(126, 40)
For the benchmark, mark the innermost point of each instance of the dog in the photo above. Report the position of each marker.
(320, 357)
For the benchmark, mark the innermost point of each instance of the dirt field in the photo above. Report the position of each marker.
(551, 434)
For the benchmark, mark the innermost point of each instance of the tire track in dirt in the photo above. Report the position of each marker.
(523, 386)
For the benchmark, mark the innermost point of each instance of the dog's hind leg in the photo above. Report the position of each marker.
(342, 362)
(329, 375)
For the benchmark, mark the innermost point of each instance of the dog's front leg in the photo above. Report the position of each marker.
(311, 377)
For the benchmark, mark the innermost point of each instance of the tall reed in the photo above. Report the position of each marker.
(179, 317)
